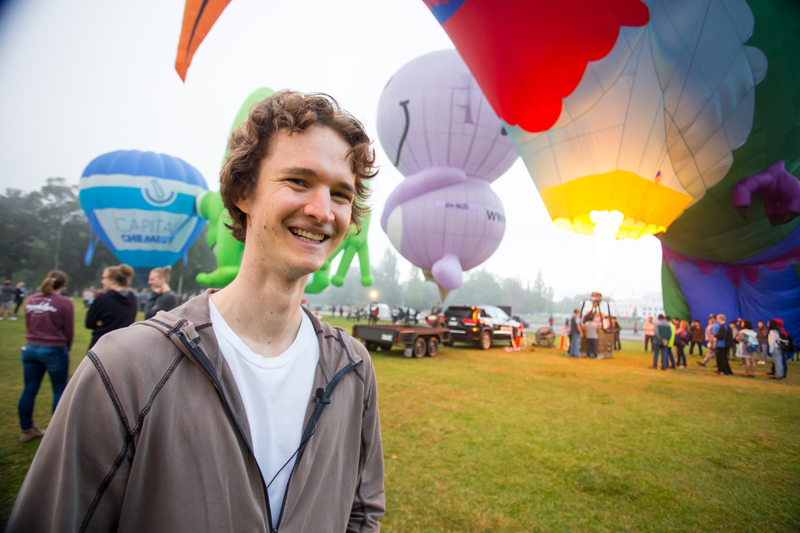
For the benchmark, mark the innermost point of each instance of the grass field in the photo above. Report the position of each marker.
(533, 441)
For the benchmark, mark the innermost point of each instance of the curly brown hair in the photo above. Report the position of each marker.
(293, 112)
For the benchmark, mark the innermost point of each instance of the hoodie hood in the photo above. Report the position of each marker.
(124, 297)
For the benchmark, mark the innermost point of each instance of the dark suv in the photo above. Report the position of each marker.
(481, 325)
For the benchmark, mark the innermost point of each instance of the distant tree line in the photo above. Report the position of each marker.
(47, 229)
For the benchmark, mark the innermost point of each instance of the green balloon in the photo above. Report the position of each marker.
(223, 244)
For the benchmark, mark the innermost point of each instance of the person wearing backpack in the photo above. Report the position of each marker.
(748, 342)
(789, 348)
(724, 338)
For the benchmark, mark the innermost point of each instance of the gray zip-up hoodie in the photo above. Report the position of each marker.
(151, 435)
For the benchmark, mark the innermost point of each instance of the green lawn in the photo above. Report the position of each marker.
(502, 441)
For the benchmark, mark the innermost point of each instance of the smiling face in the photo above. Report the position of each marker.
(300, 210)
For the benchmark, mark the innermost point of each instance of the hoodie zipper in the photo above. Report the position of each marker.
(206, 364)
(321, 401)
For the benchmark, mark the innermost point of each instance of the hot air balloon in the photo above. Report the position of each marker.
(142, 205)
(442, 134)
(198, 18)
(618, 105)
(737, 250)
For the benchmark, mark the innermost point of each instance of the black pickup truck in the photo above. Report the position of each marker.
(419, 341)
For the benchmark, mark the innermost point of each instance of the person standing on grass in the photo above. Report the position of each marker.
(711, 340)
(649, 335)
(663, 333)
(575, 334)
(681, 334)
(115, 306)
(616, 328)
(673, 325)
(50, 324)
(19, 296)
(735, 346)
(763, 343)
(747, 339)
(240, 410)
(591, 334)
(161, 297)
(7, 300)
(725, 342)
(697, 338)
(775, 348)
(786, 345)
(636, 329)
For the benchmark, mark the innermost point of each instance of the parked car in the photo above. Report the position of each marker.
(481, 325)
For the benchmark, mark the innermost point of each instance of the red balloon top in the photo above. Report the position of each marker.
(528, 55)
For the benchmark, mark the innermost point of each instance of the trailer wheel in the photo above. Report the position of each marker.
(420, 347)
(385, 347)
(433, 346)
(449, 343)
(485, 341)
(371, 346)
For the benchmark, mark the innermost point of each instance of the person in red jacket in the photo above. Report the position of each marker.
(50, 323)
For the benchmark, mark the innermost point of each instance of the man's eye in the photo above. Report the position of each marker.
(342, 196)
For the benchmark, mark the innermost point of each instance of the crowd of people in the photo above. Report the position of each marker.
(49, 324)
(668, 338)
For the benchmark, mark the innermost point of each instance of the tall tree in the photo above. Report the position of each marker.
(47, 228)
(387, 280)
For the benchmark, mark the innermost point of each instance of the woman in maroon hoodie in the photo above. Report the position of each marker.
(50, 323)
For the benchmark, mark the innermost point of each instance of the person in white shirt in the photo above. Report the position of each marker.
(291, 217)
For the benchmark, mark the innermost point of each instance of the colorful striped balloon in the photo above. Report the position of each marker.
(142, 205)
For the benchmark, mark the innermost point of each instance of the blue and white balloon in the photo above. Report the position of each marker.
(142, 205)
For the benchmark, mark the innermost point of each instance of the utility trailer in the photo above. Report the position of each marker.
(419, 341)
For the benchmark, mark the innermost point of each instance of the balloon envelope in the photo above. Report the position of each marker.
(142, 205)
(442, 134)
(615, 105)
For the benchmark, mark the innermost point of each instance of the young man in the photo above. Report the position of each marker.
(238, 411)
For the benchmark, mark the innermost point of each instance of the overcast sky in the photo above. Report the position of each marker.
(81, 78)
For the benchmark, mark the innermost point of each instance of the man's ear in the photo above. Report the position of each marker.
(244, 205)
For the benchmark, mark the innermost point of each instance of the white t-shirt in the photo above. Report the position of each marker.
(275, 392)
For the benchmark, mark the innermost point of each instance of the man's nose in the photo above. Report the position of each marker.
(319, 205)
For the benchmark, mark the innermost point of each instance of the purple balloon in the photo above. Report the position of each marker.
(442, 134)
